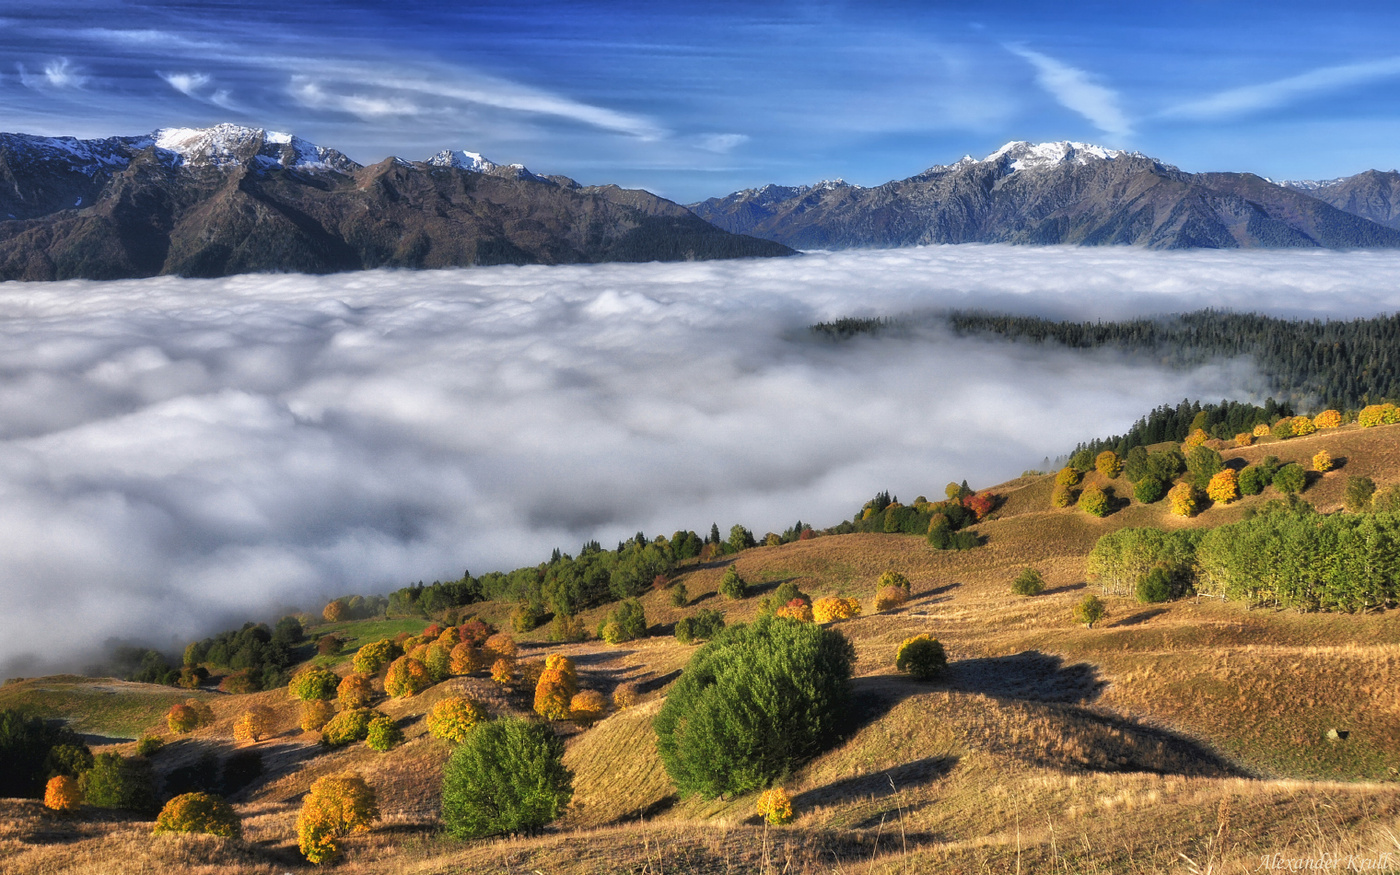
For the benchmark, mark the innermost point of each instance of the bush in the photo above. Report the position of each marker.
(565, 628)
(679, 597)
(1327, 419)
(330, 645)
(921, 657)
(503, 670)
(1149, 489)
(507, 777)
(753, 704)
(383, 734)
(1302, 426)
(1261, 430)
(147, 745)
(797, 609)
(115, 781)
(314, 684)
(406, 677)
(501, 644)
(1290, 479)
(1029, 582)
(1322, 462)
(1357, 495)
(63, 794)
(1094, 501)
(627, 695)
(372, 657)
(890, 597)
(1195, 439)
(1067, 477)
(452, 718)
(254, 725)
(825, 610)
(1283, 429)
(1108, 464)
(315, 715)
(201, 813)
(1156, 585)
(1224, 487)
(775, 806)
(1253, 480)
(1062, 497)
(1244, 439)
(1090, 610)
(705, 625)
(526, 617)
(894, 578)
(464, 658)
(355, 691)
(731, 585)
(626, 622)
(1183, 499)
(336, 805)
(787, 592)
(588, 707)
(181, 719)
(348, 726)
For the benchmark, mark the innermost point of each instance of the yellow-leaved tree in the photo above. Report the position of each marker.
(1322, 462)
(1302, 425)
(1108, 464)
(406, 677)
(588, 707)
(824, 610)
(775, 806)
(337, 805)
(1195, 439)
(1244, 439)
(254, 725)
(452, 718)
(1224, 486)
(1328, 419)
(1182, 498)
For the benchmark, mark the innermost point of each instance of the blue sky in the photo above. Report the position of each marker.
(698, 99)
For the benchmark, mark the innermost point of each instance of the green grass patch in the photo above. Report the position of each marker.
(96, 706)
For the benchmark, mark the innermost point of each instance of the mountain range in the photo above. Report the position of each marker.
(230, 199)
(1069, 193)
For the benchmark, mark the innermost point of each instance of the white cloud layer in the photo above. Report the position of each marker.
(179, 454)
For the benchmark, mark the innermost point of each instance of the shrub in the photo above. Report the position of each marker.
(1067, 477)
(825, 610)
(464, 659)
(1090, 610)
(588, 707)
(508, 776)
(147, 745)
(1253, 480)
(501, 644)
(181, 719)
(437, 659)
(239, 682)
(406, 677)
(526, 617)
(1108, 464)
(476, 631)
(1261, 430)
(731, 585)
(329, 645)
(254, 725)
(313, 684)
(1224, 487)
(1149, 489)
(775, 806)
(797, 609)
(63, 794)
(1183, 500)
(1029, 582)
(452, 718)
(1357, 495)
(383, 734)
(1094, 501)
(1290, 479)
(705, 625)
(201, 813)
(921, 657)
(503, 670)
(626, 622)
(315, 714)
(627, 695)
(565, 628)
(1302, 425)
(1283, 429)
(552, 694)
(753, 704)
(1322, 462)
(372, 657)
(115, 781)
(1063, 496)
(348, 726)
(1196, 438)
(336, 805)
(355, 691)
(450, 637)
(1327, 419)
(679, 597)
(890, 597)
(1244, 439)
(894, 578)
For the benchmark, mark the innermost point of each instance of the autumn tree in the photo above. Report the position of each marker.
(1322, 462)
(1067, 477)
(921, 657)
(1196, 438)
(63, 794)
(181, 719)
(334, 611)
(453, 717)
(1108, 464)
(1283, 429)
(315, 714)
(313, 684)
(887, 598)
(1090, 610)
(199, 813)
(1262, 430)
(254, 725)
(588, 707)
(355, 691)
(500, 644)
(1183, 500)
(349, 726)
(503, 670)
(1062, 496)
(1244, 439)
(383, 734)
(1224, 487)
(373, 656)
(825, 610)
(336, 806)
(1093, 501)
(797, 609)
(775, 806)
(406, 677)
(1302, 425)
(464, 658)
(1328, 419)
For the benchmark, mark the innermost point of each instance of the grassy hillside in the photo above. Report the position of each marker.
(1188, 736)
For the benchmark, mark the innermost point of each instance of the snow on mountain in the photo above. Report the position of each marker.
(1306, 184)
(1033, 156)
(84, 156)
(463, 159)
(227, 145)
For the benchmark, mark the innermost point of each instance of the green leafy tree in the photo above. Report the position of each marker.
(1090, 610)
(626, 622)
(115, 781)
(27, 748)
(921, 657)
(1290, 479)
(383, 734)
(313, 684)
(199, 813)
(679, 597)
(1253, 480)
(753, 704)
(1029, 582)
(1149, 489)
(508, 776)
(1357, 495)
(731, 585)
(703, 626)
(1093, 501)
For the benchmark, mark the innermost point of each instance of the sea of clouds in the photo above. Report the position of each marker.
(177, 454)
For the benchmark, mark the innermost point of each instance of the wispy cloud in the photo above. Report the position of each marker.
(58, 74)
(194, 85)
(1076, 90)
(721, 143)
(1281, 92)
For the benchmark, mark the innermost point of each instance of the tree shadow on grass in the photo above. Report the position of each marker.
(878, 785)
(1139, 618)
(1069, 587)
(1030, 676)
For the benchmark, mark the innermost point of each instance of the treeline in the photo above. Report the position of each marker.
(1167, 423)
(943, 523)
(1342, 364)
(1287, 555)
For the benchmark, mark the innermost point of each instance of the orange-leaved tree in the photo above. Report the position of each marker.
(355, 691)
(337, 805)
(1224, 486)
(1328, 419)
(464, 658)
(63, 793)
(553, 693)
(588, 707)
(406, 677)
(799, 610)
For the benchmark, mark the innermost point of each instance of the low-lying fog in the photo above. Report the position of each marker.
(179, 454)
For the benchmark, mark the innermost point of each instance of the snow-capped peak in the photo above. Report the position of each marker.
(1305, 184)
(463, 159)
(1031, 156)
(225, 145)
